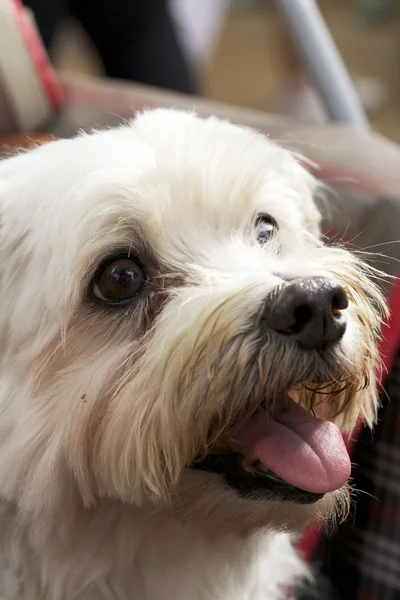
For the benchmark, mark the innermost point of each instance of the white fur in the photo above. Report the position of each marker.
(160, 561)
(88, 407)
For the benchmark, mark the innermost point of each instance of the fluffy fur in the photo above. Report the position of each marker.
(103, 408)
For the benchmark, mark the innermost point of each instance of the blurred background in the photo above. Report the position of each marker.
(240, 53)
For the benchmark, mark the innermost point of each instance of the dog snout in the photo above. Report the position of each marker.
(309, 311)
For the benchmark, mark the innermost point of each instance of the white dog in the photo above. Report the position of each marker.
(171, 327)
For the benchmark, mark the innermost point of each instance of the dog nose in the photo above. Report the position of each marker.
(309, 310)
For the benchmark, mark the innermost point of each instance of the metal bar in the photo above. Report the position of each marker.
(323, 61)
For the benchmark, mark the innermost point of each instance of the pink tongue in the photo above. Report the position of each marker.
(299, 448)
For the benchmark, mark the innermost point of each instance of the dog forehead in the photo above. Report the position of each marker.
(166, 169)
(212, 161)
(178, 168)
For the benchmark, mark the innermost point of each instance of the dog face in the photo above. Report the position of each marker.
(171, 323)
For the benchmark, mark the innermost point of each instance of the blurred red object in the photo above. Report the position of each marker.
(30, 92)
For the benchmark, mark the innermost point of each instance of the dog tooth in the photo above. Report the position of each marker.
(260, 467)
(248, 465)
(255, 467)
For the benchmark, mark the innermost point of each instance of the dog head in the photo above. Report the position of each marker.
(173, 332)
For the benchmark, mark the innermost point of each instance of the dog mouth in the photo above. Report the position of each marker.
(287, 455)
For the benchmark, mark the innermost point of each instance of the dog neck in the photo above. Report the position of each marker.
(138, 554)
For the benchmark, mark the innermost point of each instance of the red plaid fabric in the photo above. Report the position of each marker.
(362, 560)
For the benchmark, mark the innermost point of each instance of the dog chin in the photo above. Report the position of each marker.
(206, 499)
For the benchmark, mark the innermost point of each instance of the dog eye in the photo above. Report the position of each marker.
(119, 280)
(266, 227)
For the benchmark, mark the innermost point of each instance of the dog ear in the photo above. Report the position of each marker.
(24, 141)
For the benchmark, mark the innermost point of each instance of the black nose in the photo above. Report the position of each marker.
(308, 310)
